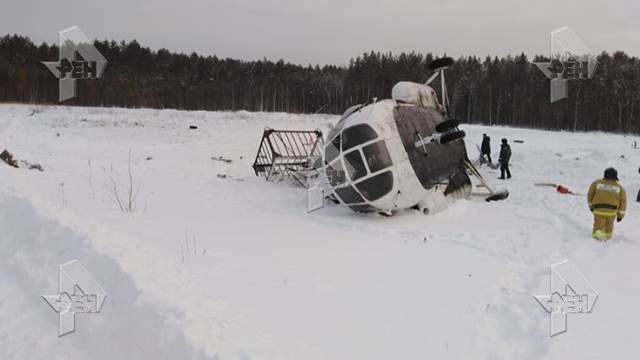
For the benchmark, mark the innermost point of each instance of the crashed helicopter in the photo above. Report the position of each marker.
(406, 152)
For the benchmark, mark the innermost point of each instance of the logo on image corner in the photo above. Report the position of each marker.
(78, 293)
(569, 59)
(78, 59)
(569, 293)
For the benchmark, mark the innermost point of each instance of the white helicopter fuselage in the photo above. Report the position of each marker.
(383, 157)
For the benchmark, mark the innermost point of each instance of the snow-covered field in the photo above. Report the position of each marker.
(234, 268)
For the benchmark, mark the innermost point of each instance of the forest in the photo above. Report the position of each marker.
(508, 90)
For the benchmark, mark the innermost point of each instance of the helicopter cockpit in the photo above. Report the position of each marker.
(358, 165)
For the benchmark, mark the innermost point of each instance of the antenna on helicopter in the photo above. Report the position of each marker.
(439, 66)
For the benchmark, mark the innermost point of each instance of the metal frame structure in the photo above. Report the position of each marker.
(286, 152)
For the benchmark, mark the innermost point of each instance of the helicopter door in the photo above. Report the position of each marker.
(433, 162)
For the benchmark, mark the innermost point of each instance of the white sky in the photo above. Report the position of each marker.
(332, 31)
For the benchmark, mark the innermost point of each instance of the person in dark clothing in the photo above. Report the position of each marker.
(485, 149)
(505, 156)
(638, 198)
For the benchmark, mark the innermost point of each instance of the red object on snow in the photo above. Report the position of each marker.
(563, 190)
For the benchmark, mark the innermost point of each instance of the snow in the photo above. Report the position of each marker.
(234, 268)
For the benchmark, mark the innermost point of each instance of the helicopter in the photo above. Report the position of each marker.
(406, 152)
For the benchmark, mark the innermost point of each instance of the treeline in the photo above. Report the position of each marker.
(502, 91)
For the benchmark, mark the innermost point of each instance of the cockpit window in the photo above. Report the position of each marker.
(377, 156)
(357, 135)
(349, 195)
(335, 174)
(376, 187)
(332, 150)
(355, 166)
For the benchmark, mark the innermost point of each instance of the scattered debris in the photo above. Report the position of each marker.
(230, 177)
(149, 158)
(35, 111)
(518, 141)
(31, 166)
(283, 152)
(559, 188)
(564, 190)
(545, 184)
(220, 158)
(7, 157)
(193, 127)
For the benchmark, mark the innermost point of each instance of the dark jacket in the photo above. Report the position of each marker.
(486, 145)
(505, 154)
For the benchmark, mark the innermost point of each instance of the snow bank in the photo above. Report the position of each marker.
(32, 248)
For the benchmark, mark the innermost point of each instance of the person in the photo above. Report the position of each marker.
(608, 202)
(505, 156)
(485, 149)
(638, 198)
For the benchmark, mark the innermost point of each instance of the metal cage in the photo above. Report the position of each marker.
(287, 152)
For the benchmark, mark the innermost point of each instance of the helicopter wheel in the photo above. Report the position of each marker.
(453, 136)
(440, 63)
(447, 125)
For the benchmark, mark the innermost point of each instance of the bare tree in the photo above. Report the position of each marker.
(127, 204)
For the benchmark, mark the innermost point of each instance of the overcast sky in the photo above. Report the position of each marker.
(332, 31)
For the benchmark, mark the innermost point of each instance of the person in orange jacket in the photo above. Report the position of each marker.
(608, 202)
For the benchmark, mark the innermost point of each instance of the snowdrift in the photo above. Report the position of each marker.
(32, 248)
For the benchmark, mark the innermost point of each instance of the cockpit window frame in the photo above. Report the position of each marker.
(360, 172)
(381, 153)
(373, 196)
(347, 133)
(338, 151)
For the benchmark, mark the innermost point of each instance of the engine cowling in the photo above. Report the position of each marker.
(416, 94)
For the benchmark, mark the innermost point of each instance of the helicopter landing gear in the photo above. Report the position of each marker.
(493, 194)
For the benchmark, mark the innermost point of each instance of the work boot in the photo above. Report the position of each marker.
(600, 235)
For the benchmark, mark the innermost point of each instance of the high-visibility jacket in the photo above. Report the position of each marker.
(607, 198)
